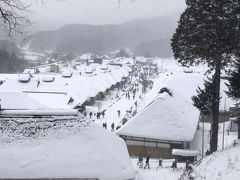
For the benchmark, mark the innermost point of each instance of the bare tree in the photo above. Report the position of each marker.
(12, 18)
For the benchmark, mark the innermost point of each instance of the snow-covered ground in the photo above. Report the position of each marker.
(155, 172)
(222, 165)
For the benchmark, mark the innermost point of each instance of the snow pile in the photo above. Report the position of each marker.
(61, 148)
(24, 78)
(48, 78)
(220, 166)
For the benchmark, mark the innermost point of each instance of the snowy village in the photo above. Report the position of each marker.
(111, 94)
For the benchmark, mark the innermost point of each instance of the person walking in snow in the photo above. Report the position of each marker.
(98, 115)
(103, 113)
(135, 103)
(85, 114)
(112, 126)
(128, 96)
(174, 164)
(119, 113)
(147, 162)
(188, 165)
(90, 115)
(159, 164)
(140, 161)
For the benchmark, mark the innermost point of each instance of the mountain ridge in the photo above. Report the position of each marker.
(101, 39)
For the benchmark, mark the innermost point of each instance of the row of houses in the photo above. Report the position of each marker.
(68, 90)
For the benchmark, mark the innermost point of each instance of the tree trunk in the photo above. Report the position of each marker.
(238, 123)
(215, 108)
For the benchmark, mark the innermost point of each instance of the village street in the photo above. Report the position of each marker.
(119, 101)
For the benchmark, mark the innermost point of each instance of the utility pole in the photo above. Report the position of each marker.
(203, 138)
(224, 119)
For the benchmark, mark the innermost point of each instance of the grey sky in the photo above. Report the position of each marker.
(56, 13)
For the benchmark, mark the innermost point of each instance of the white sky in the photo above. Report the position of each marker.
(59, 12)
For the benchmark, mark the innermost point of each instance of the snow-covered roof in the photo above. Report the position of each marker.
(24, 77)
(185, 152)
(56, 94)
(67, 74)
(18, 100)
(168, 117)
(88, 56)
(48, 78)
(71, 152)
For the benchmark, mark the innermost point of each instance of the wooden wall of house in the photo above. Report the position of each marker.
(153, 147)
(135, 150)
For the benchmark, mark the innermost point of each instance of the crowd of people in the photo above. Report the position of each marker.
(140, 164)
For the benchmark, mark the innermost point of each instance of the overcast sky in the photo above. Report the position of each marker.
(55, 13)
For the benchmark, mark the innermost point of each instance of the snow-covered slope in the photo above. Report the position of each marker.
(220, 166)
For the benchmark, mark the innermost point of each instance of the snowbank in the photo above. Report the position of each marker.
(220, 165)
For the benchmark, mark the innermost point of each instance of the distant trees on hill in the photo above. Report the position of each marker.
(123, 53)
(10, 63)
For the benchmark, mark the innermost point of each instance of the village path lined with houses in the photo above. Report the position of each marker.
(85, 142)
(118, 101)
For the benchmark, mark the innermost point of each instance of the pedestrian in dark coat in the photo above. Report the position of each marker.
(103, 114)
(147, 162)
(98, 115)
(85, 114)
(140, 161)
(135, 103)
(112, 126)
(159, 164)
(119, 113)
(90, 114)
(174, 164)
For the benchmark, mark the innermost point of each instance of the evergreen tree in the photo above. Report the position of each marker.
(234, 82)
(234, 87)
(204, 98)
(209, 33)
